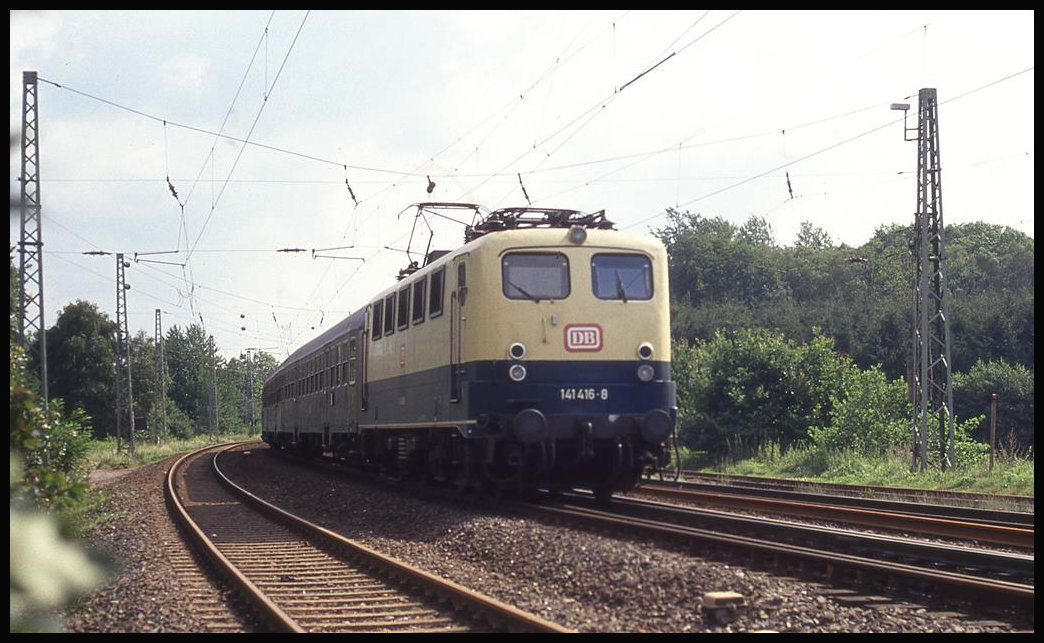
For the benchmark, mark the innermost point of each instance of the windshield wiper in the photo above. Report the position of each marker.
(620, 292)
(524, 292)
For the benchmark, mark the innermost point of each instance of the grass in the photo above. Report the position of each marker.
(102, 454)
(89, 513)
(1011, 475)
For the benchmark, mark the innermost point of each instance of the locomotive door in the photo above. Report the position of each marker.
(458, 298)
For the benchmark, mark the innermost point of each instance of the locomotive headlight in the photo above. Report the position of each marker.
(577, 234)
(517, 372)
(645, 373)
(645, 351)
(517, 350)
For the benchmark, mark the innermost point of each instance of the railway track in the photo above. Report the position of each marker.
(299, 577)
(983, 526)
(982, 581)
(849, 566)
(944, 498)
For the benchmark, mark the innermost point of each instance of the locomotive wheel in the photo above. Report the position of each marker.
(603, 494)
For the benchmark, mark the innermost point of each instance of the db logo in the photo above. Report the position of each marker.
(583, 337)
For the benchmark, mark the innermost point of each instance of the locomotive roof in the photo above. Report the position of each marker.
(503, 228)
(529, 217)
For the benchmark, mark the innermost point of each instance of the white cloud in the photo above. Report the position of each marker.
(182, 73)
(32, 31)
(411, 92)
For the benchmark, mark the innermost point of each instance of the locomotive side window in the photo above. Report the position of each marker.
(404, 308)
(418, 301)
(622, 277)
(378, 319)
(535, 276)
(389, 314)
(438, 280)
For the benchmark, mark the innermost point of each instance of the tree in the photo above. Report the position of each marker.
(14, 290)
(812, 237)
(712, 261)
(233, 379)
(757, 231)
(983, 257)
(188, 368)
(82, 363)
(143, 378)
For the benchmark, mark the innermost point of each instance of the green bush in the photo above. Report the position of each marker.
(752, 387)
(1013, 385)
(47, 454)
(869, 414)
(51, 444)
(967, 450)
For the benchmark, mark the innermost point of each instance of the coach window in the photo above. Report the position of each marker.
(378, 319)
(404, 308)
(623, 277)
(438, 278)
(418, 301)
(389, 314)
(535, 276)
(352, 357)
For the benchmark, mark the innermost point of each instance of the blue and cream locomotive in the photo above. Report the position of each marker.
(535, 355)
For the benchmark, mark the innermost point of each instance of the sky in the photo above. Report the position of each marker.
(206, 144)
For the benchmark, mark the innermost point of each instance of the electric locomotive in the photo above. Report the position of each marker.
(535, 355)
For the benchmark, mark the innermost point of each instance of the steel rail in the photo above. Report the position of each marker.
(1004, 594)
(268, 610)
(949, 496)
(908, 505)
(962, 529)
(513, 618)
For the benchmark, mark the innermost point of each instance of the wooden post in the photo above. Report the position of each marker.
(992, 399)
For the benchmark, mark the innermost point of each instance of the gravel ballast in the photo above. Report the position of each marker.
(579, 579)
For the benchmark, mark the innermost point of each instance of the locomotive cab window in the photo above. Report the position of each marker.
(623, 277)
(535, 276)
